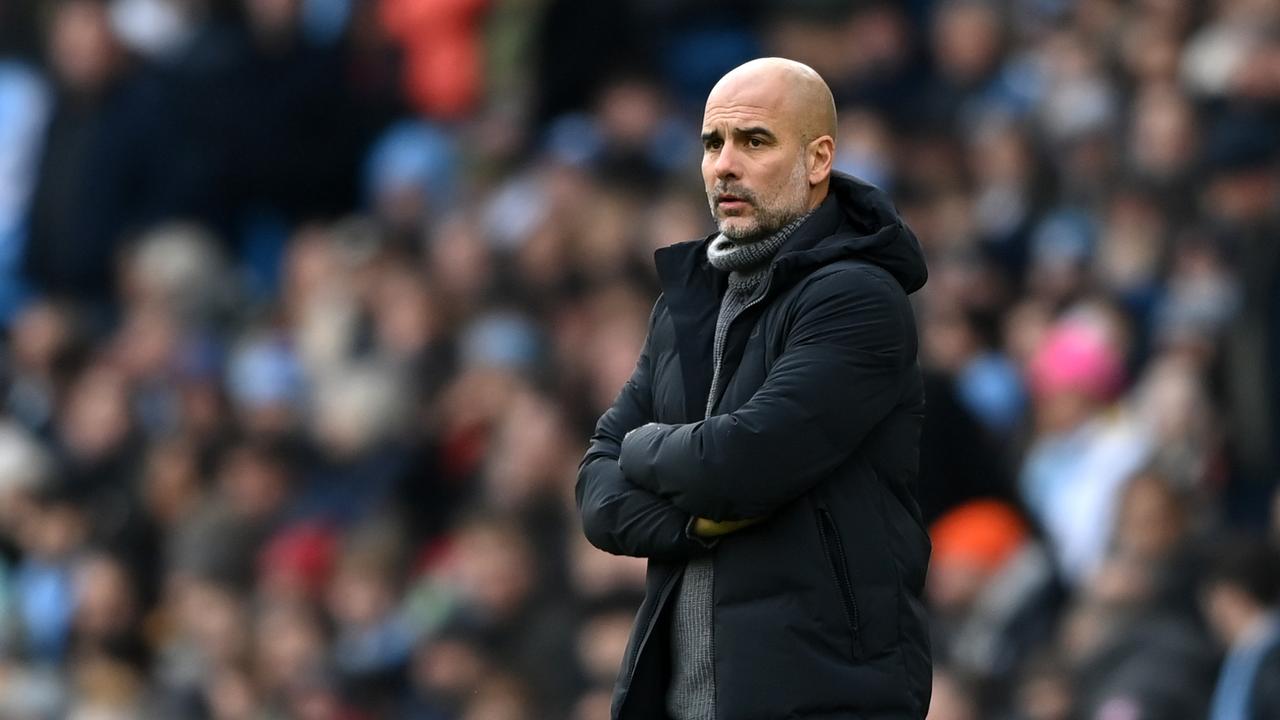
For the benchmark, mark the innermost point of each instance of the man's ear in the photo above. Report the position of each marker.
(820, 155)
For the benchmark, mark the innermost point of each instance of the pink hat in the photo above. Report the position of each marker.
(1075, 357)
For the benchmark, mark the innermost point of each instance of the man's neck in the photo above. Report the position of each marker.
(725, 253)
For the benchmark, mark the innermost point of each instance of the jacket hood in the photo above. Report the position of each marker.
(856, 220)
(866, 227)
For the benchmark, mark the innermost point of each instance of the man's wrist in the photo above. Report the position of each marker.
(691, 532)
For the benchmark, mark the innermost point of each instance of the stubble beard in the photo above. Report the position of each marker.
(768, 219)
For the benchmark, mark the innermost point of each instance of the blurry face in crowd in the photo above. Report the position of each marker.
(1045, 694)
(629, 112)
(966, 36)
(499, 697)
(1152, 518)
(449, 668)
(602, 643)
(230, 695)
(494, 568)
(38, 334)
(289, 644)
(104, 594)
(272, 16)
(1229, 611)
(768, 141)
(95, 418)
(82, 48)
(361, 597)
(52, 531)
(253, 484)
(213, 616)
(171, 483)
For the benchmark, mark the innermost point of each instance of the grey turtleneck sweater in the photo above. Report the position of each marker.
(692, 692)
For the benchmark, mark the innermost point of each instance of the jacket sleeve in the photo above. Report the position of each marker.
(618, 516)
(840, 372)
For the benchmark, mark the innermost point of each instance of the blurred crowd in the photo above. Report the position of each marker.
(307, 309)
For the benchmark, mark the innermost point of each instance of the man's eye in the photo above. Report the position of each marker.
(712, 144)
(755, 142)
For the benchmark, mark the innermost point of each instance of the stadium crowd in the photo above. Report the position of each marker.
(307, 309)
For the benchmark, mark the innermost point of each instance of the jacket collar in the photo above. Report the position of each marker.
(856, 219)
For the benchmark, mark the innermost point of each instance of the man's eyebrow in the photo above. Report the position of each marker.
(756, 130)
(759, 130)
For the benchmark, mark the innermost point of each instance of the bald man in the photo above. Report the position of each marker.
(763, 454)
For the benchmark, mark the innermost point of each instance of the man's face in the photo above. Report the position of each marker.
(753, 160)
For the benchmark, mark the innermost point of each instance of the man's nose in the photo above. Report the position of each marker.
(726, 166)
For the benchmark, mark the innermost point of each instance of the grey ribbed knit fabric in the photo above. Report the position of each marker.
(692, 692)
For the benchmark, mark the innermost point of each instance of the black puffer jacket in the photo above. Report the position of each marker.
(818, 610)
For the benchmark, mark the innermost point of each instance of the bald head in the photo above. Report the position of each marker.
(792, 88)
(768, 136)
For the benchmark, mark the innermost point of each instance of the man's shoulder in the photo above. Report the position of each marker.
(852, 265)
(848, 277)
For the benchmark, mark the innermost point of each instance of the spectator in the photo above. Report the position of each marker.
(994, 592)
(1081, 454)
(1241, 590)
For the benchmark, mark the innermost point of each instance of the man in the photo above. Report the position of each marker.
(1241, 594)
(763, 452)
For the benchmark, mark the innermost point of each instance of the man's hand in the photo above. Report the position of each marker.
(702, 527)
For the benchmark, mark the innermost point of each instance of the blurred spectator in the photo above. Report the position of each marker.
(443, 67)
(976, 400)
(51, 534)
(372, 640)
(102, 172)
(107, 617)
(1044, 690)
(1239, 200)
(411, 177)
(966, 42)
(1241, 591)
(1129, 655)
(446, 671)
(1081, 452)
(994, 591)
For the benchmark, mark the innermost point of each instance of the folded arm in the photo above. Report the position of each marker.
(619, 516)
(839, 374)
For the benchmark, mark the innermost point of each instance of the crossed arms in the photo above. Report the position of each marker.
(651, 489)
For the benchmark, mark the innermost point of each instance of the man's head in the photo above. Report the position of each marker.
(768, 138)
(1241, 585)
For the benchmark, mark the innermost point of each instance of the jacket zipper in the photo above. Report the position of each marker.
(761, 294)
(839, 564)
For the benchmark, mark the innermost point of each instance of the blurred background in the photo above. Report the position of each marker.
(308, 307)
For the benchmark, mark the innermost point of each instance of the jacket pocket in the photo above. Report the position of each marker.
(833, 548)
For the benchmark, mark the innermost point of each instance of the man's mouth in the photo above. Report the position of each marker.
(731, 201)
